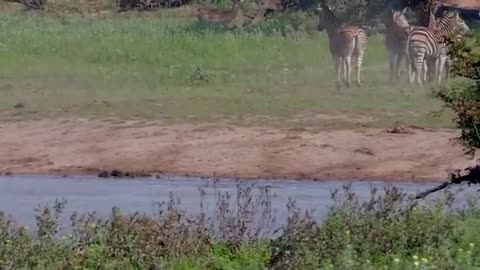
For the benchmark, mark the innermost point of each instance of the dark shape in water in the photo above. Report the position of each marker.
(120, 174)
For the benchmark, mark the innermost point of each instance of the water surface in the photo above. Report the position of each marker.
(20, 195)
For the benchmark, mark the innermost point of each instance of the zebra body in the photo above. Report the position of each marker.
(346, 43)
(396, 35)
(31, 4)
(426, 44)
(443, 62)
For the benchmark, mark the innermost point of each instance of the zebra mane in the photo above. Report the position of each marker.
(324, 7)
(450, 23)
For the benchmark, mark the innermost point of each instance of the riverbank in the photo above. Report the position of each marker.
(80, 146)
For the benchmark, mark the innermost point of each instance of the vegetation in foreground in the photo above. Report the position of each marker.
(387, 231)
(172, 68)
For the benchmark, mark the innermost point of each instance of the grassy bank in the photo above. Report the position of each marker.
(387, 231)
(162, 67)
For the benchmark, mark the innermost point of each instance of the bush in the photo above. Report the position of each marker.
(464, 97)
(387, 231)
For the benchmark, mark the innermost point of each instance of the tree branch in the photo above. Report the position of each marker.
(472, 177)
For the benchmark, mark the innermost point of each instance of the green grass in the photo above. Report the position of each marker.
(146, 68)
(388, 230)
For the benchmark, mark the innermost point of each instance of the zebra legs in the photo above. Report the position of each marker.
(448, 65)
(398, 63)
(430, 69)
(392, 61)
(436, 67)
(395, 61)
(348, 70)
(343, 67)
(358, 59)
(338, 63)
(440, 64)
(443, 62)
(419, 67)
(411, 70)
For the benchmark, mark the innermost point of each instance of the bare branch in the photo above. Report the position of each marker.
(472, 177)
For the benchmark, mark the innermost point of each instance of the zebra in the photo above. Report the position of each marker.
(345, 42)
(443, 61)
(396, 35)
(31, 4)
(427, 43)
(424, 17)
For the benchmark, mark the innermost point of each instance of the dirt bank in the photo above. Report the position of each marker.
(85, 146)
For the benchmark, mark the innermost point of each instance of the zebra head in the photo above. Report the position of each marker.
(461, 27)
(399, 19)
(321, 19)
(450, 23)
(326, 19)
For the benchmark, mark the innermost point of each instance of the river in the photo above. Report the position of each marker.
(20, 195)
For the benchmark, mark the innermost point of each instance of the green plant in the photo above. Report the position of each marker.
(464, 97)
(388, 230)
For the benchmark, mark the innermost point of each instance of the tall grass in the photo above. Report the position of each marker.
(387, 231)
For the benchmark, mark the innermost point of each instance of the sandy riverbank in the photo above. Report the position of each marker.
(77, 146)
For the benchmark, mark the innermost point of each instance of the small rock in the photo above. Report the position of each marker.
(19, 106)
(117, 173)
(104, 174)
(364, 151)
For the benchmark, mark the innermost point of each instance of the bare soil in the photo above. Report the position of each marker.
(81, 146)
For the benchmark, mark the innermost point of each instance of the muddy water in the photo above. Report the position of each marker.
(20, 195)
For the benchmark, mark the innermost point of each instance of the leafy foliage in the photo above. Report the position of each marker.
(464, 97)
(387, 231)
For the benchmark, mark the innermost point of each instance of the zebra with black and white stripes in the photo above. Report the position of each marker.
(443, 62)
(428, 43)
(397, 30)
(346, 42)
(31, 4)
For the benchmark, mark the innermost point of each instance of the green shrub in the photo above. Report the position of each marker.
(463, 97)
(387, 231)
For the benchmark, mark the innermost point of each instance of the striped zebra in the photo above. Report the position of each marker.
(443, 62)
(427, 44)
(31, 4)
(346, 42)
(396, 35)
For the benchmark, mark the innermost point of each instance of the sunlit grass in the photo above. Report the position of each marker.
(171, 68)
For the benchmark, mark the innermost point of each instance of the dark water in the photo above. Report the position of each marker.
(20, 195)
